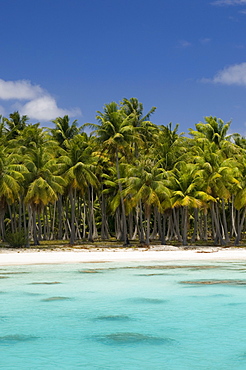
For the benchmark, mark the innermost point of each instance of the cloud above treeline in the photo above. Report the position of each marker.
(232, 75)
(33, 100)
(229, 2)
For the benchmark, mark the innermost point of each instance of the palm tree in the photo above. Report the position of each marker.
(44, 185)
(214, 130)
(115, 132)
(170, 146)
(145, 185)
(16, 124)
(185, 185)
(64, 131)
(77, 170)
(11, 178)
(145, 129)
(219, 175)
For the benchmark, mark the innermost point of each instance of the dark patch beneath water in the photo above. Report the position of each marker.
(173, 267)
(142, 300)
(133, 338)
(16, 338)
(113, 318)
(4, 277)
(46, 282)
(160, 274)
(214, 282)
(90, 271)
(231, 304)
(32, 294)
(52, 299)
(14, 273)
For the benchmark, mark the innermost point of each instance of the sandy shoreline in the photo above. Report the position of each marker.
(32, 257)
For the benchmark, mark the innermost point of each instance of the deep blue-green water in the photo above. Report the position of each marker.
(123, 316)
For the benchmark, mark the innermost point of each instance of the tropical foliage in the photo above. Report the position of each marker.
(130, 179)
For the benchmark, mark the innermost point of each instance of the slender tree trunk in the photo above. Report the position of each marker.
(11, 218)
(125, 236)
(90, 211)
(237, 240)
(175, 214)
(233, 227)
(195, 232)
(160, 229)
(104, 225)
(72, 204)
(214, 214)
(35, 237)
(141, 236)
(147, 210)
(154, 230)
(185, 223)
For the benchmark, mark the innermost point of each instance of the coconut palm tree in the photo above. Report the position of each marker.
(44, 185)
(115, 132)
(187, 193)
(146, 186)
(64, 131)
(11, 178)
(219, 175)
(214, 130)
(77, 169)
(15, 124)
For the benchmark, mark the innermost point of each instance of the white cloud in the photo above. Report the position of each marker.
(229, 2)
(20, 90)
(184, 44)
(232, 75)
(205, 41)
(40, 104)
(45, 108)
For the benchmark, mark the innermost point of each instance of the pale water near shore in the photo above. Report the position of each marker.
(180, 315)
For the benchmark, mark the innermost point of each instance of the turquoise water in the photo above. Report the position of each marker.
(124, 316)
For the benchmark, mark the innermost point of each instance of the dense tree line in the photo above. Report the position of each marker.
(129, 179)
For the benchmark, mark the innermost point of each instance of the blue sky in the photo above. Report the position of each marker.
(186, 57)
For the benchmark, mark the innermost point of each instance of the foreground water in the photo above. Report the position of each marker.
(124, 316)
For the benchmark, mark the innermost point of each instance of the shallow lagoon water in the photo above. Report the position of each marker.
(124, 316)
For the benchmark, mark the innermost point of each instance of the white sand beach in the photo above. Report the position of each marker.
(93, 255)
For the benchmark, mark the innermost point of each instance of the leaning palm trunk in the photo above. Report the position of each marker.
(175, 214)
(215, 221)
(233, 212)
(147, 211)
(60, 216)
(227, 239)
(195, 232)
(141, 228)
(237, 240)
(154, 230)
(90, 214)
(35, 236)
(72, 203)
(185, 224)
(125, 237)
(104, 224)
(161, 230)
